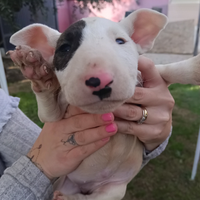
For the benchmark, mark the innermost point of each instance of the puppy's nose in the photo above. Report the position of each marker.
(100, 80)
(93, 82)
(100, 84)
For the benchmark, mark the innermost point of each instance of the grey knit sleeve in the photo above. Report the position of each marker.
(147, 156)
(8, 105)
(23, 180)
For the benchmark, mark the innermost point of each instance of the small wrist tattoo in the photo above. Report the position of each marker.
(33, 156)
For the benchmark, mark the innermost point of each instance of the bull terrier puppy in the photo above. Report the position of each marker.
(93, 66)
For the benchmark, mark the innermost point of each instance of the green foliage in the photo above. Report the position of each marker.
(8, 8)
(95, 3)
(28, 105)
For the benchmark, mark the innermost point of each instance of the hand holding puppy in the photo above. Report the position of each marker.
(62, 145)
(155, 97)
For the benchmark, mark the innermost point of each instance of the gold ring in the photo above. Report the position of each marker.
(144, 116)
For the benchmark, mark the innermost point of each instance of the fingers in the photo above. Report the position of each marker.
(133, 113)
(144, 96)
(84, 121)
(92, 135)
(150, 74)
(128, 112)
(81, 152)
(139, 130)
(151, 135)
(150, 96)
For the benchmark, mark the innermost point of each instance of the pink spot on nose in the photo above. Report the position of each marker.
(100, 80)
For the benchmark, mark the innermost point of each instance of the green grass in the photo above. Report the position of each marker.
(28, 105)
(168, 176)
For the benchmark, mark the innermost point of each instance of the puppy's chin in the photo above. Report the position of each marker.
(102, 107)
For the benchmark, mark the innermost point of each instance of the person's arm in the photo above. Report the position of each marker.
(23, 180)
(17, 135)
(155, 131)
(17, 132)
(27, 177)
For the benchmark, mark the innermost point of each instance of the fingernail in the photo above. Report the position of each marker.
(107, 117)
(111, 128)
(106, 139)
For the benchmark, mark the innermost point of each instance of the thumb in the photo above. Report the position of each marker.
(150, 75)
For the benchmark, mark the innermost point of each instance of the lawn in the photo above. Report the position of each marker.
(168, 176)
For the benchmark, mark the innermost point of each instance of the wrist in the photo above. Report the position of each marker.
(151, 147)
(39, 166)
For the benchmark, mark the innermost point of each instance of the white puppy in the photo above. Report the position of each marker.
(95, 61)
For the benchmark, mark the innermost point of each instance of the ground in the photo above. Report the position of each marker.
(168, 176)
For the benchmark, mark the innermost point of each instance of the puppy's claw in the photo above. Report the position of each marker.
(18, 47)
(9, 52)
(45, 69)
(48, 86)
(31, 54)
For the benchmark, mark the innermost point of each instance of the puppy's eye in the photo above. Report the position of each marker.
(120, 41)
(65, 48)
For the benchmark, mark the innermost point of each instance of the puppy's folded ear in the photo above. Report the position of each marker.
(37, 36)
(143, 26)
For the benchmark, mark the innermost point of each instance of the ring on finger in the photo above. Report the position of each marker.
(144, 116)
(71, 140)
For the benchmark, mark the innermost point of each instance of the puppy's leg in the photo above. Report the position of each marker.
(107, 192)
(184, 72)
(43, 80)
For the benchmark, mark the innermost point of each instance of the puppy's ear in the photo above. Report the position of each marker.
(143, 26)
(37, 36)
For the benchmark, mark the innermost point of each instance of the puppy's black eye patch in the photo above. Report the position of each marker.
(69, 41)
(64, 48)
(120, 41)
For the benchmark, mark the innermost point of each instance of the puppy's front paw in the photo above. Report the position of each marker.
(35, 68)
(59, 196)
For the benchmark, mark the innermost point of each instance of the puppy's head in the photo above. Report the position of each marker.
(96, 59)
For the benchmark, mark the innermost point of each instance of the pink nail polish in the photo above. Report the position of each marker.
(111, 128)
(107, 117)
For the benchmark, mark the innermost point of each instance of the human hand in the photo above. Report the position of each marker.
(56, 156)
(156, 98)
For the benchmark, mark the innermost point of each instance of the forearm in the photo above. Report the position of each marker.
(23, 180)
(17, 137)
